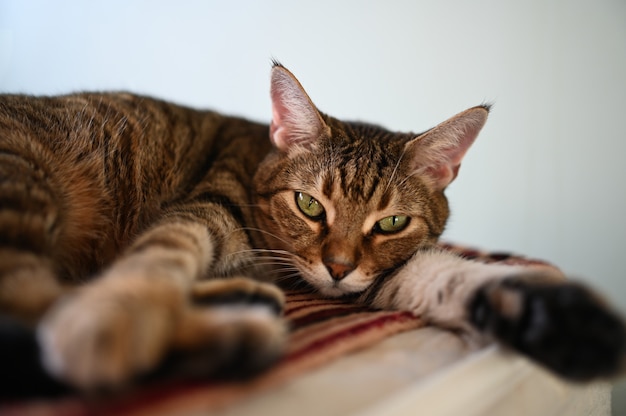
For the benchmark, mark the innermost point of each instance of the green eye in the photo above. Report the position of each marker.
(392, 224)
(309, 206)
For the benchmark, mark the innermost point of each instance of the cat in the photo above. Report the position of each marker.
(131, 228)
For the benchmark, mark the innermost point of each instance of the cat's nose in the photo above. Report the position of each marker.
(338, 269)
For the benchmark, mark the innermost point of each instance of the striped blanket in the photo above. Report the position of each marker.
(321, 331)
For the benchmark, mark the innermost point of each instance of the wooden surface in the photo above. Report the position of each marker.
(428, 372)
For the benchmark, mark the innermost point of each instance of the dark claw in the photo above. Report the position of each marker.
(562, 326)
(241, 297)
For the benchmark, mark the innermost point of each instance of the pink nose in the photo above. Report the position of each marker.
(337, 269)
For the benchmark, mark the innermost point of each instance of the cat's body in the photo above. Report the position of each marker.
(137, 227)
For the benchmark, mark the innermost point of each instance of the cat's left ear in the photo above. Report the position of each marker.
(296, 122)
(437, 154)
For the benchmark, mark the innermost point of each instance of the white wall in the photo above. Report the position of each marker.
(546, 178)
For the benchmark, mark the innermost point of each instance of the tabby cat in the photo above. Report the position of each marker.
(132, 228)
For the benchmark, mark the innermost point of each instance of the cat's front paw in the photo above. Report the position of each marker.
(562, 325)
(104, 337)
(226, 341)
(232, 330)
(95, 341)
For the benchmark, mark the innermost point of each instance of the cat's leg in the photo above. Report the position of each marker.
(560, 324)
(30, 221)
(126, 321)
(29, 216)
(28, 285)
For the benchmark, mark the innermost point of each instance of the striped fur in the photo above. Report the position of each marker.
(145, 195)
(121, 214)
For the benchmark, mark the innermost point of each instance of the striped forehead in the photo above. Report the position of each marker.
(351, 182)
(353, 193)
(356, 171)
(355, 208)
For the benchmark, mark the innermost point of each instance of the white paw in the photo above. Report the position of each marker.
(91, 340)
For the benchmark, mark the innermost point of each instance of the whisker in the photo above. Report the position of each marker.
(289, 276)
(262, 255)
(295, 284)
(408, 177)
(274, 260)
(395, 170)
(277, 266)
(265, 232)
(260, 251)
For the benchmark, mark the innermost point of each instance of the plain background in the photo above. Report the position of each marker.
(546, 176)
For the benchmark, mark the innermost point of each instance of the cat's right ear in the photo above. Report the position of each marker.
(437, 154)
(296, 123)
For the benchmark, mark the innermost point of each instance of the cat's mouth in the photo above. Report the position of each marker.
(318, 277)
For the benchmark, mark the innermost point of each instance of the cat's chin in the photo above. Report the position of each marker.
(334, 289)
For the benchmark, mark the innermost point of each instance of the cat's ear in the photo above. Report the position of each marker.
(437, 154)
(296, 123)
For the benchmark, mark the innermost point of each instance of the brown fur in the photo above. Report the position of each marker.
(90, 179)
(105, 167)
(353, 170)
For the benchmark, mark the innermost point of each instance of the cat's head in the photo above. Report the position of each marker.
(351, 202)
